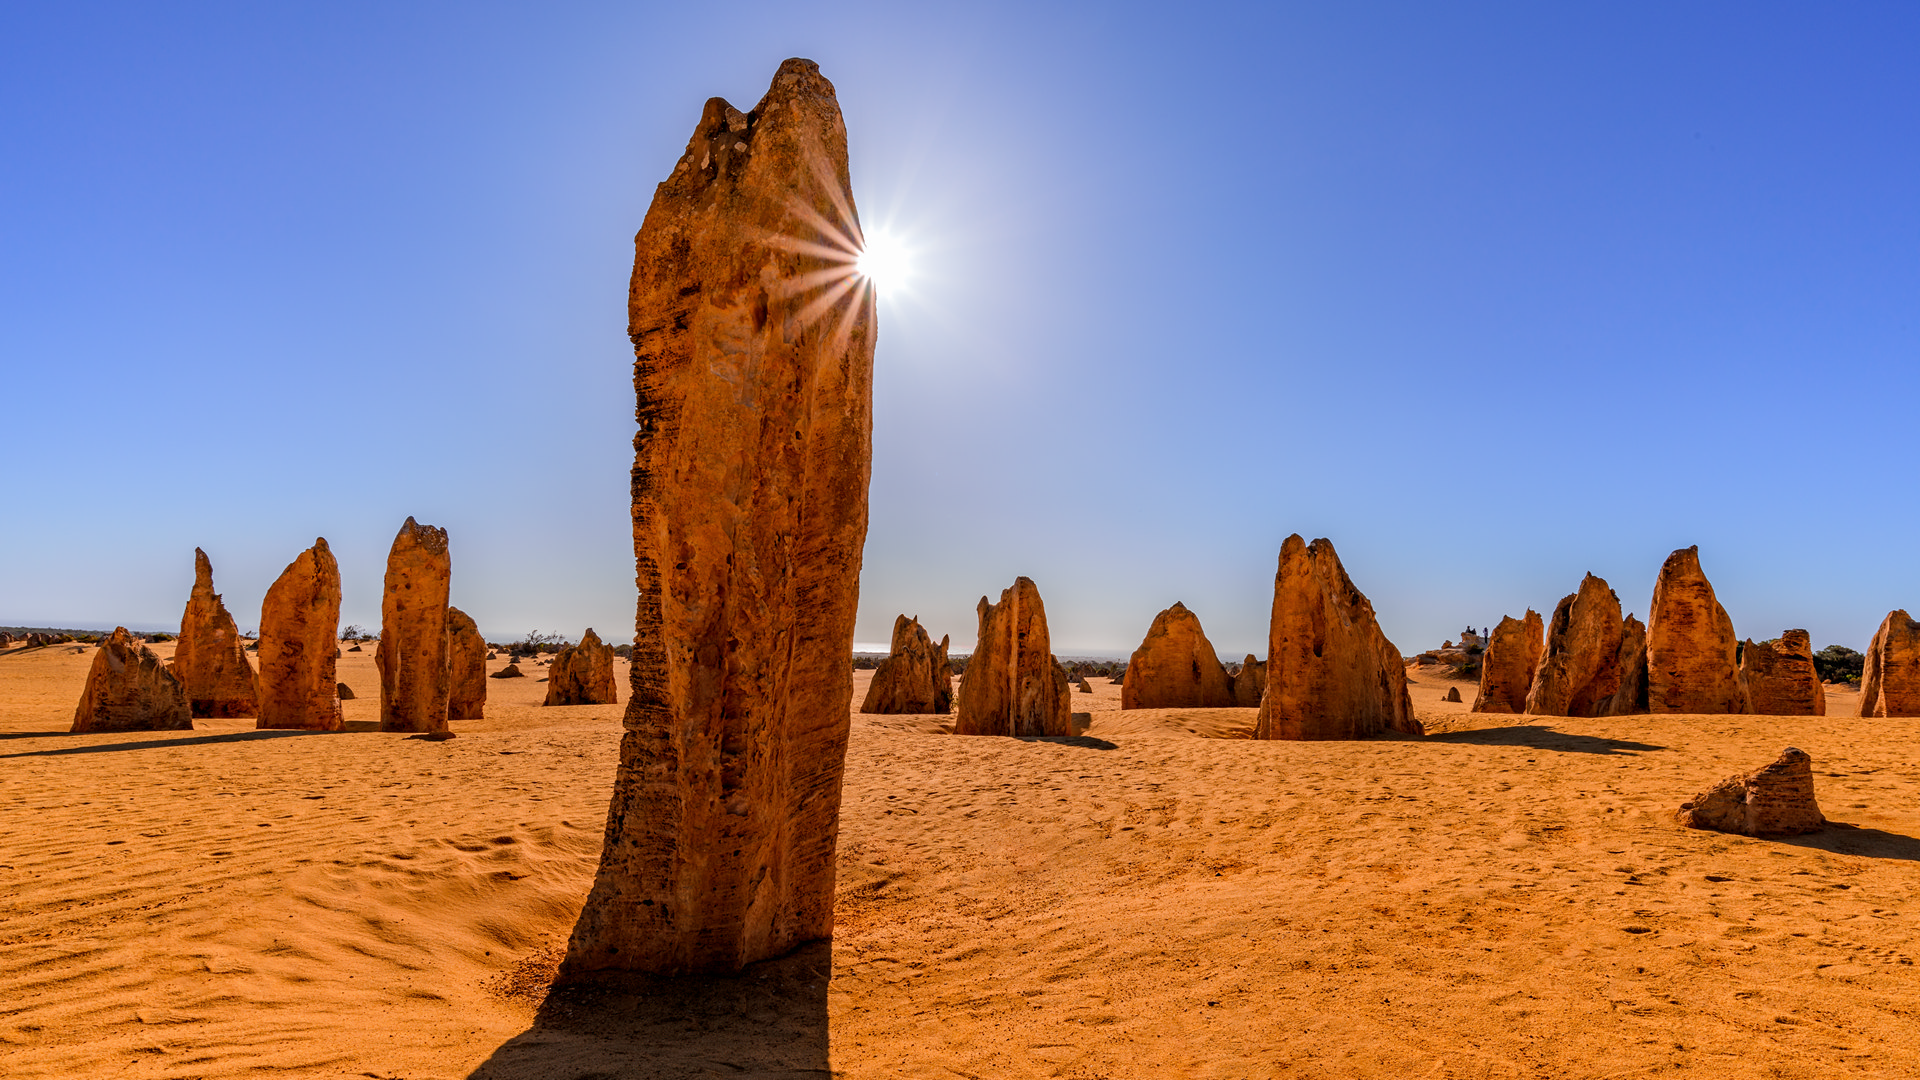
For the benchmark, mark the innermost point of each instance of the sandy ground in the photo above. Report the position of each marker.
(1159, 897)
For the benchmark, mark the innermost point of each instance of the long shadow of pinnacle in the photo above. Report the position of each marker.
(162, 743)
(1541, 737)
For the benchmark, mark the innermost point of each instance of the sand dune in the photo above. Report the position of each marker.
(1157, 897)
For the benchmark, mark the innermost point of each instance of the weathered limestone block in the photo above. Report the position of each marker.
(583, 674)
(1580, 670)
(412, 651)
(1508, 666)
(1779, 679)
(346, 692)
(296, 684)
(129, 688)
(753, 344)
(1331, 673)
(1773, 801)
(1631, 698)
(1890, 680)
(1453, 694)
(1691, 648)
(1176, 667)
(1013, 685)
(511, 671)
(466, 668)
(914, 677)
(209, 656)
(1081, 684)
(1249, 683)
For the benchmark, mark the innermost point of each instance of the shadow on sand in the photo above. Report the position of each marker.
(769, 1022)
(1541, 737)
(1841, 838)
(1084, 742)
(161, 744)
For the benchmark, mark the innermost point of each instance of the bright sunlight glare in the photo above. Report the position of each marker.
(884, 262)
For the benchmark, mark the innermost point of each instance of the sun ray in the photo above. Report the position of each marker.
(831, 185)
(819, 304)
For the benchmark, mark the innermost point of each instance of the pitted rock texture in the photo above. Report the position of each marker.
(1691, 647)
(412, 651)
(1507, 668)
(914, 678)
(129, 688)
(1631, 698)
(466, 668)
(583, 674)
(1249, 683)
(753, 346)
(209, 656)
(1331, 673)
(1890, 682)
(296, 684)
(1013, 685)
(1580, 669)
(1774, 801)
(1175, 667)
(1779, 679)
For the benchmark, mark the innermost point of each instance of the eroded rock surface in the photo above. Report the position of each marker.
(412, 651)
(1580, 670)
(209, 657)
(914, 678)
(1890, 681)
(1249, 682)
(1774, 801)
(1779, 679)
(296, 687)
(753, 367)
(1013, 685)
(129, 688)
(1507, 668)
(466, 668)
(1691, 648)
(1331, 673)
(583, 674)
(1631, 698)
(1175, 667)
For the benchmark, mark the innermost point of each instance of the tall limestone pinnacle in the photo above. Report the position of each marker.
(412, 653)
(298, 623)
(209, 657)
(753, 368)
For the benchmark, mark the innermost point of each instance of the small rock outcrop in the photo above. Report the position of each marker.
(1331, 673)
(296, 684)
(1175, 667)
(583, 674)
(1580, 670)
(1013, 685)
(1778, 677)
(1453, 694)
(209, 656)
(1082, 685)
(1631, 698)
(1691, 647)
(1890, 680)
(914, 678)
(129, 688)
(753, 368)
(1249, 683)
(412, 651)
(1508, 666)
(466, 668)
(345, 691)
(511, 671)
(1774, 801)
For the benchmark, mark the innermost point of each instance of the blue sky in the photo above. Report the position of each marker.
(1491, 295)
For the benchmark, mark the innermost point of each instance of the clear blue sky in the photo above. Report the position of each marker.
(1492, 295)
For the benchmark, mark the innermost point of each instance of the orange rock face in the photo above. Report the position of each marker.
(1631, 698)
(1691, 648)
(1890, 683)
(914, 678)
(583, 674)
(753, 365)
(296, 685)
(1176, 667)
(1580, 670)
(1779, 679)
(1012, 685)
(466, 668)
(130, 689)
(1249, 683)
(209, 657)
(1331, 673)
(1508, 666)
(1775, 801)
(412, 651)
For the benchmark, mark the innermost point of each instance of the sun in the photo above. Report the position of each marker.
(883, 261)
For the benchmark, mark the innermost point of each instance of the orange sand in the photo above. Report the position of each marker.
(1160, 897)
